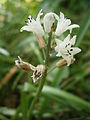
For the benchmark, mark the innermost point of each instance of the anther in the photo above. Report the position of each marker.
(19, 62)
(71, 49)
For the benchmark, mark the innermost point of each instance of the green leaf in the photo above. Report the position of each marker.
(24, 105)
(83, 28)
(72, 99)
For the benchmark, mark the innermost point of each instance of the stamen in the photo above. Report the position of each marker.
(68, 43)
(19, 62)
(71, 49)
(65, 46)
(68, 52)
(35, 71)
(31, 17)
(39, 73)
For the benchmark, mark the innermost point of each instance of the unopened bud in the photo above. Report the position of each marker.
(63, 62)
(24, 65)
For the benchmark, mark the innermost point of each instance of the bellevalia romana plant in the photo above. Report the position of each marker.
(64, 49)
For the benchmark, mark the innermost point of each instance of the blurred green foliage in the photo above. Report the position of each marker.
(66, 94)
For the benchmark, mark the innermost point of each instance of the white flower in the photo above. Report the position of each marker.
(34, 25)
(38, 72)
(48, 21)
(66, 50)
(64, 24)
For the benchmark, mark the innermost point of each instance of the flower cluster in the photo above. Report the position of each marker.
(64, 49)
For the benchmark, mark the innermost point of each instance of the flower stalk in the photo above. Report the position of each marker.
(43, 78)
(64, 48)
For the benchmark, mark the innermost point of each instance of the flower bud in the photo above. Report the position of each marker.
(24, 65)
(63, 62)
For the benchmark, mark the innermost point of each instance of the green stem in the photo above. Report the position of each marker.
(43, 51)
(43, 79)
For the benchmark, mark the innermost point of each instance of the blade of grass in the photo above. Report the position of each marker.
(67, 96)
(3, 117)
(83, 28)
(72, 100)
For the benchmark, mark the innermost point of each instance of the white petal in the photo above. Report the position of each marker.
(34, 79)
(58, 54)
(19, 61)
(57, 48)
(39, 30)
(68, 62)
(67, 23)
(62, 26)
(48, 21)
(27, 28)
(56, 16)
(73, 26)
(73, 40)
(67, 39)
(68, 59)
(58, 42)
(57, 32)
(61, 15)
(32, 67)
(75, 50)
(17, 64)
(38, 16)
